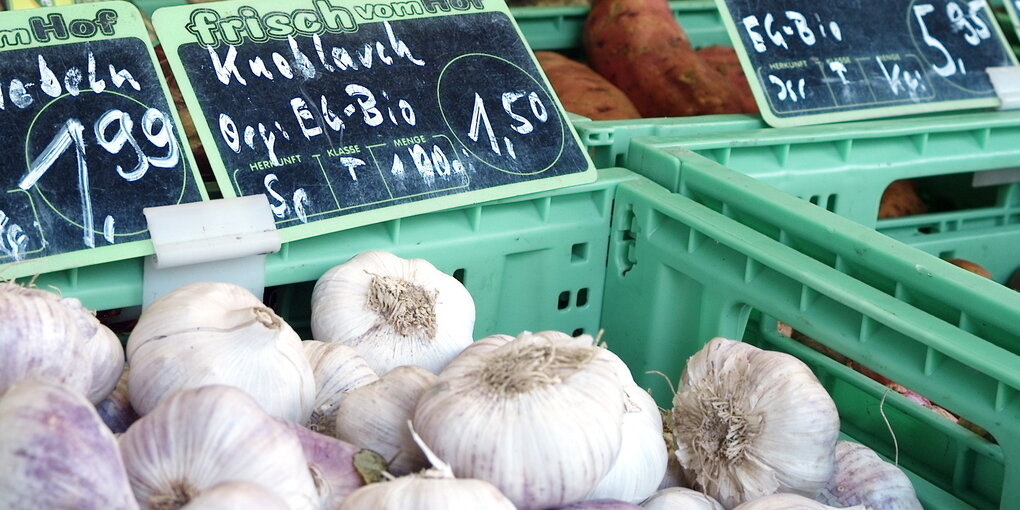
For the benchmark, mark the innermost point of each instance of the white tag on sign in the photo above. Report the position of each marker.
(219, 240)
(1006, 81)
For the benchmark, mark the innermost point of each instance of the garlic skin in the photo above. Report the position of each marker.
(115, 410)
(538, 418)
(431, 489)
(199, 438)
(337, 369)
(750, 422)
(393, 311)
(237, 496)
(107, 363)
(600, 504)
(680, 498)
(218, 333)
(56, 453)
(374, 416)
(331, 463)
(641, 465)
(427, 492)
(41, 338)
(102, 345)
(787, 501)
(861, 477)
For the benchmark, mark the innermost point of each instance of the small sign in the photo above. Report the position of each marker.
(350, 112)
(90, 137)
(812, 62)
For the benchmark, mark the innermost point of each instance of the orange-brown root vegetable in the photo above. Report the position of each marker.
(638, 46)
(583, 91)
(724, 59)
(971, 266)
(901, 199)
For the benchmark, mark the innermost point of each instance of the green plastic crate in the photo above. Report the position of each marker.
(846, 168)
(731, 256)
(661, 273)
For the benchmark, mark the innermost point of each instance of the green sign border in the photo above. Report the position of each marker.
(130, 23)
(761, 95)
(170, 25)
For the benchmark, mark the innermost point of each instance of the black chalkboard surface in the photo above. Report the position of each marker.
(385, 115)
(90, 139)
(811, 62)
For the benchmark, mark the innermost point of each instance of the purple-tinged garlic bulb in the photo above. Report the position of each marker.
(41, 338)
(199, 438)
(57, 454)
(861, 477)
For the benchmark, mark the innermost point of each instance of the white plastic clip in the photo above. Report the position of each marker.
(1006, 82)
(222, 240)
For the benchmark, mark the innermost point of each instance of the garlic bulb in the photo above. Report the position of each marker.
(103, 348)
(600, 504)
(750, 422)
(680, 498)
(393, 311)
(237, 496)
(787, 501)
(538, 418)
(641, 465)
(431, 489)
(199, 438)
(375, 416)
(41, 338)
(337, 369)
(56, 453)
(107, 362)
(115, 410)
(331, 463)
(861, 477)
(218, 333)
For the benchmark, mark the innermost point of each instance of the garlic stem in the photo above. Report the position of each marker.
(181, 493)
(409, 308)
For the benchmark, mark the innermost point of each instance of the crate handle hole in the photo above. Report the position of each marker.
(579, 252)
(459, 274)
(582, 297)
(578, 332)
(564, 300)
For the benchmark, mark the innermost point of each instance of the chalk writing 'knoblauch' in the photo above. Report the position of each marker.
(211, 29)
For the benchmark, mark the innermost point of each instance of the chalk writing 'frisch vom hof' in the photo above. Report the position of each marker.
(344, 113)
(90, 135)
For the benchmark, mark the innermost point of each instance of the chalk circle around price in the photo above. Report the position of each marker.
(109, 191)
(471, 76)
(935, 54)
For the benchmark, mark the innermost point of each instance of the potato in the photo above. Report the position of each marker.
(638, 46)
(583, 91)
(901, 199)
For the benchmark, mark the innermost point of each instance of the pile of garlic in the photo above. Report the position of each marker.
(394, 405)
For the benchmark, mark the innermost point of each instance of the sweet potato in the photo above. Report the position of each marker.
(724, 59)
(638, 46)
(583, 91)
(901, 199)
(971, 266)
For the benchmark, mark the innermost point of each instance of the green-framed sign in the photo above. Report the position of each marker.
(350, 112)
(90, 135)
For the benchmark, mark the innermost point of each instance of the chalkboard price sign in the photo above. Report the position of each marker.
(812, 62)
(345, 113)
(91, 139)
